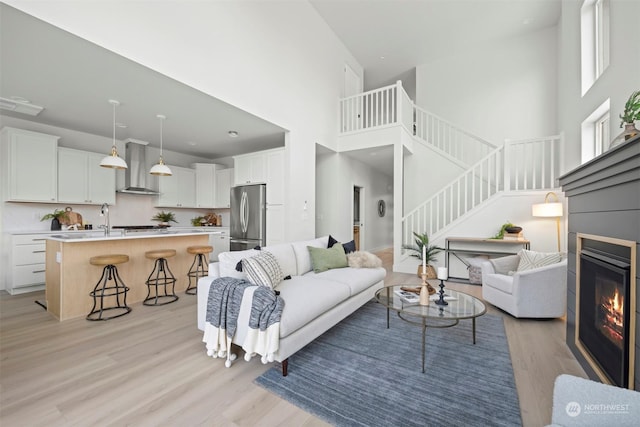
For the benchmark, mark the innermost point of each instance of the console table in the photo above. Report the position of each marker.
(459, 246)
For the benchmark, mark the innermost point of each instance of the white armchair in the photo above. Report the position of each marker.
(537, 293)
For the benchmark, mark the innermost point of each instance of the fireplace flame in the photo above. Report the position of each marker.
(613, 319)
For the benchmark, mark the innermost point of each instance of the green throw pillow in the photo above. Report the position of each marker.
(326, 259)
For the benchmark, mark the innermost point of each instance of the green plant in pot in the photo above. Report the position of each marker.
(628, 118)
(55, 217)
(507, 227)
(164, 218)
(422, 240)
(198, 221)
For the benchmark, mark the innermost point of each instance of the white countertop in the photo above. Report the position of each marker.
(114, 231)
(98, 235)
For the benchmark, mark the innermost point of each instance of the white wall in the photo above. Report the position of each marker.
(617, 82)
(505, 89)
(276, 60)
(336, 176)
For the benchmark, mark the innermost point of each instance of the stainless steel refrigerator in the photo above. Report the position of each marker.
(248, 216)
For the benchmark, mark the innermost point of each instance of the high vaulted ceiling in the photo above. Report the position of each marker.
(389, 38)
(74, 79)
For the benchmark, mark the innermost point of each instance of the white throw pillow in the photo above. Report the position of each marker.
(263, 270)
(229, 260)
(363, 259)
(530, 259)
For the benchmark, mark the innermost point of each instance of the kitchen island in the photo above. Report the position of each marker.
(70, 278)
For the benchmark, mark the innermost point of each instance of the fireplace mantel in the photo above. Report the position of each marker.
(604, 200)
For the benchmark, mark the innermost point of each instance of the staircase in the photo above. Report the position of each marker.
(488, 170)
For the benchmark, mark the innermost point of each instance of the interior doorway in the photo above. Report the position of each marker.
(358, 216)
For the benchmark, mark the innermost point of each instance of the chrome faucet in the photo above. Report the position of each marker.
(104, 211)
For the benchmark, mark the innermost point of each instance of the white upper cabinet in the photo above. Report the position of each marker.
(29, 162)
(81, 179)
(223, 188)
(205, 185)
(179, 189)
(250, 168)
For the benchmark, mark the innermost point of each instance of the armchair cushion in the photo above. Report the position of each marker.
(506, 264)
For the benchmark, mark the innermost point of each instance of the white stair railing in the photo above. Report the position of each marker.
(390, 105)
(532, 164)
(450, 139)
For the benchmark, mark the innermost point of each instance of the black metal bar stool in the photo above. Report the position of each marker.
(200, 266)
(110, 293)
(161, 279)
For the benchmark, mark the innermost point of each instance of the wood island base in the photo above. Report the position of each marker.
(69, 276)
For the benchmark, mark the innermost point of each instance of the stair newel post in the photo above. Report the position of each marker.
(507, 165)
(398, 101)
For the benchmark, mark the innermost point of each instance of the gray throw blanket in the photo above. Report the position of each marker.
(223, 308)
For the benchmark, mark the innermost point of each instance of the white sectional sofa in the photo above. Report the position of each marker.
(314, 302)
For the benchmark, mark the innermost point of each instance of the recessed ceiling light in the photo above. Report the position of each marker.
(382, 58)
(233, 134)
(526, 21)
(191, 143)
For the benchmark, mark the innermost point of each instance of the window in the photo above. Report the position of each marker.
(596, 133)
(594, 31)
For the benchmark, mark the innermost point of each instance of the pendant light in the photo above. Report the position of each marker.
(113, 160)
(161, 169)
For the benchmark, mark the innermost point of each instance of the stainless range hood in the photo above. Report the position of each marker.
(135, 176)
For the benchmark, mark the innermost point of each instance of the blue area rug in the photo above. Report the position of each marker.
(360, 373)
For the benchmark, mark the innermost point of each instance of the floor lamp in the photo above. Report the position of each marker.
(549, 209)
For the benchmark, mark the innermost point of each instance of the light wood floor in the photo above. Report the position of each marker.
(150, 368)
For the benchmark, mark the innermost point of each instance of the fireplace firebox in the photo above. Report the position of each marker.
(605, 317)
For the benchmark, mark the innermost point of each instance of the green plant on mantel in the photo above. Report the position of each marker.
(631, 111)
(163, 216)
(57, 214)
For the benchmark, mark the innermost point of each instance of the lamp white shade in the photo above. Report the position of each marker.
(113, 160)
(160, 169)
(549, 210)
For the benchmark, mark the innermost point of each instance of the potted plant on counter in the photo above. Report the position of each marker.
(164, 218)
(430, 252)
(55, 218)
(198, 221)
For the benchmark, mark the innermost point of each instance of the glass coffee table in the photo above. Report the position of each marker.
(460, 306)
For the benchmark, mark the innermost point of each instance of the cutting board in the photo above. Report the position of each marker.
(71, 217)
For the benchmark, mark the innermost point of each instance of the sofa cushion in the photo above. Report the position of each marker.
(229, 260)
(356, 279)
(263, 269)
(303, 259)
(306, 298)
(530, 259)
(499, 281)
(286, 258)
(325, 259)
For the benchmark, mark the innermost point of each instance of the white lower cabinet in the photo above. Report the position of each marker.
(27, 263)
(220, 243)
